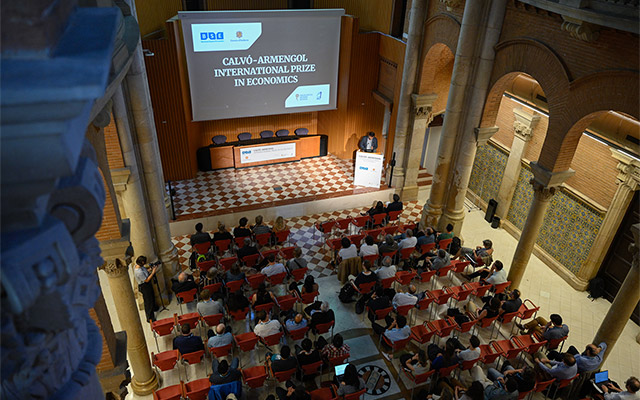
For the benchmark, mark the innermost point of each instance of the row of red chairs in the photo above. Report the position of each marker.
(225, 263)
(194, 390)
(222, 246)
(361, 221)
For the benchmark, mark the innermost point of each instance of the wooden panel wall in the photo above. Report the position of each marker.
(152, 14)
(246, 4)
(374, 15)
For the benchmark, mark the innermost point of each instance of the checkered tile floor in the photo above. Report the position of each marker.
(304, 234)
(237, 190)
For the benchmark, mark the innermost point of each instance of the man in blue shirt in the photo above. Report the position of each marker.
(395, 330)
(565, 369)
(187, 342)
(591, 358)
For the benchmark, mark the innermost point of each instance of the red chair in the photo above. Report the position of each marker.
(286, 302)
(364, 288)
(324, 328)
(562, 384)
(460, 293)
(283, 376)
(299, 274)
(440, 296)
(444, 243)
(355, 396)
(173, 392)
(186, 297)
(212, 320)
(372, 258)
(553, 344)
(404, 310)
(202, 248)
(226, 263)
(406, 253)
(308, 298)
(277, 279)
(405, 277)
(339, 360)
(266, 307)
(507, 318)
(197, 390)
(214, 287)
(466, 326)
(356, 239)
(507, 348)
(444, 271)
(397, 345)
(542, 386)
(343, 224)
(426, 276)
(423, 305)
(282, 236)
(522, 395)
(204, 266)
(387, 282)
(251, 260)
(390, 254)
(529, 344)
(394, 215)
(486, 322)
(390, 230)
(162, 327)
(254, 377)
(381, 313)
(378, 219)
(425, 248)
(190, 318)
(421, 334)
(221, 351)
(374, 233)
(324, 228)
(166, 360)
(417, 379)
(479, 290)
(272, 340)
(246, 341)
(526, 312)
(467, 365)
(298, 334)
(222, 245)
(195, 357)
(240, 241)
(408, 226)
(325, 393)
(311, 369)
(442, 327)
(239, 315)
(234, 286)
(263, 239)
(360, 221)
(501, 287)
(255, 280)
(487, 354)
(287, 252)
(266, 253)
(446, 371)
(460, 266)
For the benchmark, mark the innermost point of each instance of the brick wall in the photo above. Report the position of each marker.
(114, 152)
(110, 229)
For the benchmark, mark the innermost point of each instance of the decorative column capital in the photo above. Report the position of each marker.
(628, 170)
(524, 123)
(115, 268)
(451, 4)
(580, 29)
(423, 105)
(484, 134)
(103, 118)
(546, 183)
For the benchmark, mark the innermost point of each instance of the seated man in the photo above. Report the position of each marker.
(425, 237)
(386, 270)
(442, 259)
(337, 347)
(591, 358)
(297, 261)
(388, 246)
(272, 268)
(396, 329)
(613, 393)
(225, 373)
(525, 377)
(184, 283)
(403, 299)
(493, 276)
(266, 326)
(409, 240)
(502, 390)
(472, 352)
(378, 301)
(187, 342)
(222, 336)
(282, 362)
(553, 329)
(395, 205)
(295, 323)
(199, 236)
(241, 230)
(448, 234)
(512, 303)
(473, 255)
(260, 228)
(320, 315)
(222, 233)
(247, 249)
(560, 370)
(307, 354)
(369, 248)
(207, 306)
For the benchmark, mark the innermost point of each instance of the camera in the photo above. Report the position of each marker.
(155, 263)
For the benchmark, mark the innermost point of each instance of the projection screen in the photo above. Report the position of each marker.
(249, 63)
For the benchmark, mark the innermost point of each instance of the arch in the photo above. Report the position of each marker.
(437, 70)
(442, 28)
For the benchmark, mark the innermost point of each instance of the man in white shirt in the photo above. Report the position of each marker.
(386, 270)
(272, 267)
(409, 241)
(498, 274)
(266, 327)
(403, 299)
(473, 352)
(613, 393)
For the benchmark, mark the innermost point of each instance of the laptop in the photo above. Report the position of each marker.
(339, 370)
(599, 379)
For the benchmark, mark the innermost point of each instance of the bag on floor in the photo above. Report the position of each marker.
(596, 288)
(346, 293)
(360, 306)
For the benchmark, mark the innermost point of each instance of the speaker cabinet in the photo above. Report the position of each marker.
(324, 145)
(491, 210)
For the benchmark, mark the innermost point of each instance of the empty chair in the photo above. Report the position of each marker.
(197, 390)
(192, 358)
(254, 377)
(286, 302)
(301, 132)
(244, 136)
(266, 134)
(417, 379)
(162, 327)
(173, 392)
(219, 139)
(166, 360)
(282, 133)
(186, 297)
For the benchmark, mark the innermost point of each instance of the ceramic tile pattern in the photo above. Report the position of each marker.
(230, 190)
(488, 168)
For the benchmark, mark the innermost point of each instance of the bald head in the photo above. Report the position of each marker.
(220, 329)
(412, 289)
(298, 318)
(182, 277)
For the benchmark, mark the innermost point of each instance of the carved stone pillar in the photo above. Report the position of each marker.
(625, 301)
(628, 181)
(545, 183)
(422, 117)
(522, 132)
(409, 74)
(139, 102)
(144, 380)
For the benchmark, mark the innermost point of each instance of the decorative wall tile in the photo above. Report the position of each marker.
(488, 168)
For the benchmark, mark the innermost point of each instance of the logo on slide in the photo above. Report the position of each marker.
(308, 95)
(365, 168)
(225, 37)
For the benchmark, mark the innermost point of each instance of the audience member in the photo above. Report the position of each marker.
(494, 276)
(272, 267)
(409, 241)
(369, 248)
(378, 208)
(366, 276)
(282, 362)
(502, 390)
(395, 205)
(223, 372)
(184, 283)
(241, 230)
(247, 249)
(222, 233)
(472, 352)
(221, 337)
(490, 309)
(296, 322)
(307, 354)
(297, 261)
(560, 370)
(525, 377)
(395, 329)
(321, 313)
(187, 342)
(348, 250)
(404, 299)
(554, 329)
(292, 392)
(442, 358)
(350, 382)
(237, 301)
(308, 286)
(591, 357)
(417, 363)
(378, 301)
(448, 234)
(266, 327)
(482, 252)
(613, 393)
(234, 273)
(199, 236)
(207, 306)
(441, 260)
(388, 246)
(425, 237)
(337, 347)
(262, 296)
(512, 303)
(259, 228)
(279, 225)
(212, 276)
(386, 270)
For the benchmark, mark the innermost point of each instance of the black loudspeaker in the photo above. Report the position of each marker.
(491, 210)
(300, 4)
(495, 223)
(324, 145)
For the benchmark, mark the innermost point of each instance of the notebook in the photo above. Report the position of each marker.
(602, 377)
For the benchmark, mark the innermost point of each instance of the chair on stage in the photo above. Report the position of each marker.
(266, 134)
(282, 132)
(301, 132)
(219, 139)
(244, 136)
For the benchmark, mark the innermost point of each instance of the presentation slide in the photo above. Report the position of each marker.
(249, 63)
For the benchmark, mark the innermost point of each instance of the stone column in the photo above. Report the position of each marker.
(422, 117)
(132, 192)
(522, 133)
(142, 115)
(479, 33)
(408, 86)
(144, 380)
(545, 183)
(625, 301)
(628, 181)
